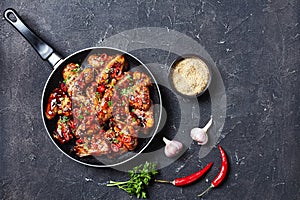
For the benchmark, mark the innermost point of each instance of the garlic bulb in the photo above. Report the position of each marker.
(200, 134)
(172, 148)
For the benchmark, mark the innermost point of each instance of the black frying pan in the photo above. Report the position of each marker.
(47, 53)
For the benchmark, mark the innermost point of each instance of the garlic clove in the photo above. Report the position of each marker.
(166, 141)
(199, 135)
(172, 148)
(195, 132)
(203, 140)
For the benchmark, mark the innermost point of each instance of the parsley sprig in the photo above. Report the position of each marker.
(140, 177)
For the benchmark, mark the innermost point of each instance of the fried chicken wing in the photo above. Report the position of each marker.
(95, 145)
(140, 98)
(58, 103)
(64, 131)
(99, 60)
(70, 74)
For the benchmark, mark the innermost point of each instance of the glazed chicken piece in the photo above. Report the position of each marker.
(64, 131)
(145, 118)
(123, 138)
(99, 60)
(113, 70)
(134, 85)
(104, 109)
(141, 78)
(131, 102)
(81, 81)
(140, 98)
(87, 75)
(70, 70)
(89, 99)
(58, 103)
(94, 145)
(70, 74)
(129, 137)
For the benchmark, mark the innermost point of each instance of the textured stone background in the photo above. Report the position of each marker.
(255, 45)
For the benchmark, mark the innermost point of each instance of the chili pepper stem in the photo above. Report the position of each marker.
(205, 191)
(163, 181)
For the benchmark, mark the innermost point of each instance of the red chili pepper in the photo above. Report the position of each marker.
(188, 179)
(101, 132)
(119, 144)
(126, 139)
(63, 87)
(72, 124)
(79, 141)
(76, 112)
(114, 147)
(101, 88)
(222, 173)
(103, 56)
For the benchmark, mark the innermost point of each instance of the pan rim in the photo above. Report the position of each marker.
(56, 67)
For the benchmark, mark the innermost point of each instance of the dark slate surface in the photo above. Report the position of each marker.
(255, 45)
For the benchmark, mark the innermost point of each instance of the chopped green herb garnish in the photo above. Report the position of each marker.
(59, 127)
(80, 116)
(125, 91)
(116, 140)
(64, 119)
(140, 177)
(76, 70)
(107, 70)
(109, 103)
(130, 78)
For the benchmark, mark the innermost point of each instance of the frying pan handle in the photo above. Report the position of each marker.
(43, 49)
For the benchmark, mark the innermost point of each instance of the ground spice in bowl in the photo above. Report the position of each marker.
(190, 76)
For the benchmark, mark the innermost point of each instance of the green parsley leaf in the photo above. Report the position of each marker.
(76, 70)
(140, 177)
(65, 119)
